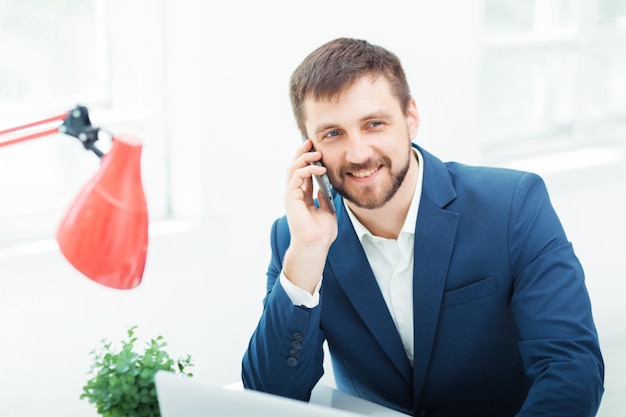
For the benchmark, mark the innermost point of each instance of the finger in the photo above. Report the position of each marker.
(300, 184)
(302, 168)
(322, 201)
(307, 146)
(306, 153)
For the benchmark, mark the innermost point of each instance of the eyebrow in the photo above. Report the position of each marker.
(324, 127)
(379, 114)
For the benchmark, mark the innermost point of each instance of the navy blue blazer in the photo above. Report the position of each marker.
(502, 318)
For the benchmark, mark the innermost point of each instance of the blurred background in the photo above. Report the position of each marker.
(535, 85)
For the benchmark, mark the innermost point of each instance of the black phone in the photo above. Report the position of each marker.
(324, 184)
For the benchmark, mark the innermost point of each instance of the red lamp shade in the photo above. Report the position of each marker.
(104, 233)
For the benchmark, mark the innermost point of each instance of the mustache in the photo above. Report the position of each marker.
(365, 166)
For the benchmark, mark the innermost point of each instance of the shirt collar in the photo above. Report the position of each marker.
(411, 216)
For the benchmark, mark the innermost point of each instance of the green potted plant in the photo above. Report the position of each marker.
(122, 383)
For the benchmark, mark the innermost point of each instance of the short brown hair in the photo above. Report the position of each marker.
(335, 66)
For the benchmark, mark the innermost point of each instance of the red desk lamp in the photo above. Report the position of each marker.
(104, 232)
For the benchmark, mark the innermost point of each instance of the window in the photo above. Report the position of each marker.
(52, 52)
(553, 74)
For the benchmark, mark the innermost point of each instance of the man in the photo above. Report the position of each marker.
(441, 289)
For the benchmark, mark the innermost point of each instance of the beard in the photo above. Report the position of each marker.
(373, 197)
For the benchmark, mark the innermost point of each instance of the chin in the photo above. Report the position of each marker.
(369, 202)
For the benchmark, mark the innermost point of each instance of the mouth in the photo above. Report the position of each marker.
(364, 174)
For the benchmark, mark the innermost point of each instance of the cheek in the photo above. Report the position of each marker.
(331, 155)
(333, 167)
(331, 164)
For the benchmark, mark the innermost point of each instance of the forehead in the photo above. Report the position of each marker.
(366, 96)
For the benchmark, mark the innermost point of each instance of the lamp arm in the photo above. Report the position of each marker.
(31, 125)
(76, 123)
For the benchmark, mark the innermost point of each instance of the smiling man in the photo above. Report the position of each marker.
(442, 289)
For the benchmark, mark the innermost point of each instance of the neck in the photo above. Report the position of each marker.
(387, 221)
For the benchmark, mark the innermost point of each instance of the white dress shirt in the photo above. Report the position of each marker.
(391, 261)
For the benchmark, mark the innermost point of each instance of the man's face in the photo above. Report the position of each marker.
(365, 140)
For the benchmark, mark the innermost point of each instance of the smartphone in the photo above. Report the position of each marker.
(324, 184)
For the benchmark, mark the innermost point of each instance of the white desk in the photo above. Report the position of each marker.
(334, 398)
(331, 397)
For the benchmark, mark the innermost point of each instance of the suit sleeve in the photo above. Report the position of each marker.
(559, 343)
(285, 354)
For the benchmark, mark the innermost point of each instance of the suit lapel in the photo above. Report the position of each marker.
(434, 239)
(349, 265)
(435, 232)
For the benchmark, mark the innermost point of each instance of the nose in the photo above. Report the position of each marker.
(359, 150)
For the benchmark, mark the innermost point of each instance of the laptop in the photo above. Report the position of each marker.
(181, 396)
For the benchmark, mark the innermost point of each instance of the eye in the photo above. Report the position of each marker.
(374, 124)
(332, 134)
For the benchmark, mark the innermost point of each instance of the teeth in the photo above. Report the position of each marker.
(363, 174)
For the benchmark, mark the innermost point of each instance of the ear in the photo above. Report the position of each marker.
(412, 118)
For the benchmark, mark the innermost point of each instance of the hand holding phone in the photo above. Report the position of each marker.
(323, 183)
